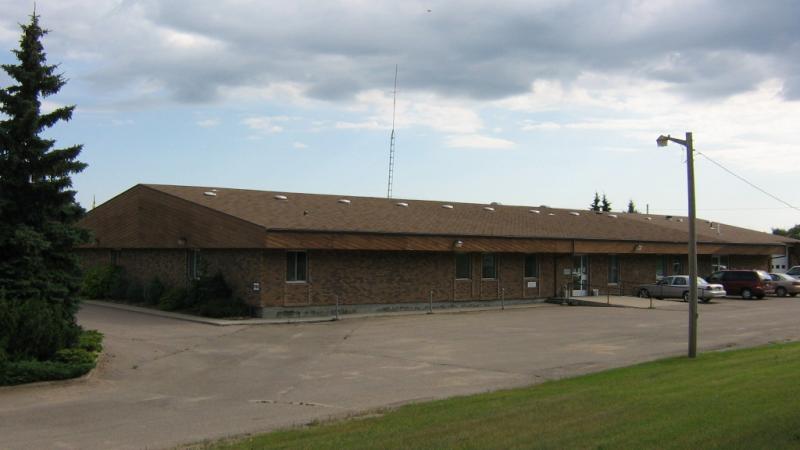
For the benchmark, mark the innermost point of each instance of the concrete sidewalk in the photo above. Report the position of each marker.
(628, 302)
(312, 319)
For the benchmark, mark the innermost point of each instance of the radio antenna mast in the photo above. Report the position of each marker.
(391, 138)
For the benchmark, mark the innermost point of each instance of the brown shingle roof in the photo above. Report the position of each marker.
(315, 212)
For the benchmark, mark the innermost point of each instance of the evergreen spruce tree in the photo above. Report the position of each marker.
(595, 206)
(605, 205)
(39, 275)
(632, 207)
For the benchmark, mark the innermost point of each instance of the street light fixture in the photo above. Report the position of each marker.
(662, 141)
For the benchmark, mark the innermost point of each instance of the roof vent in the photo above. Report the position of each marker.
(447, 206)
(613, 216)
(488, 208)
(680, 220)
(668, 217)
(551, 214)
(344, 201)
(494, 203)
(210, 194)
(281, 197)
(215, 190)
(403, 204)
(573, 213)
(649, 218)
(535, 211)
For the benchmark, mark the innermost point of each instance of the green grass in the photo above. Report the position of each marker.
(745, 399)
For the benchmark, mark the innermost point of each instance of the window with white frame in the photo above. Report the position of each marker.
(193, 264)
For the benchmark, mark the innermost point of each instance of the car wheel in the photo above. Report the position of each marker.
(644, 293)
(780, 292)
(747, 294)
(760, 297)
(705, 299)
(686, 297)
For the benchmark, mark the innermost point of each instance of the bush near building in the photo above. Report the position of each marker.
(208, 296)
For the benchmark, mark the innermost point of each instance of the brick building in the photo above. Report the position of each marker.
(286, 252)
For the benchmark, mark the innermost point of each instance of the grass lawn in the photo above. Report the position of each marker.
(746, 399)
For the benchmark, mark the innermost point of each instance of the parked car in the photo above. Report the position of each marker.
(747, 283)
(785, 284)
(794, 271)
(677, 286)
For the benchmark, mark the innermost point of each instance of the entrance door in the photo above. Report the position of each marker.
(580, 275)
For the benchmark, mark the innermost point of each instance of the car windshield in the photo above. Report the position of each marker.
(701, 282)
(764, 275)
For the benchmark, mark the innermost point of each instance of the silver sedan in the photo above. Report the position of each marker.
(677, 286)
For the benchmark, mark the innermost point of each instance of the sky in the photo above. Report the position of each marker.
(518, 102)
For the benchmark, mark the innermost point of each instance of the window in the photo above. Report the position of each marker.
(719, 262)
(463, 266)
(613, 269)
(296, 266)
(679, 281)
(488, 265)
(677, 266)
(661, 267)
(193, 264)
(531, 266)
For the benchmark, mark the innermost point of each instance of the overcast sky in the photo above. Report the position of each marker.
(519, 102)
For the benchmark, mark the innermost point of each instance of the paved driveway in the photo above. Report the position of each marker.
(167, 382)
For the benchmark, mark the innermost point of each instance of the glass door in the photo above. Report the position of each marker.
(580, 275)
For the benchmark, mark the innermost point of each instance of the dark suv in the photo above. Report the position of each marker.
(747, 283)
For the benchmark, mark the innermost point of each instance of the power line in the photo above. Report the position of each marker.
(747, 181)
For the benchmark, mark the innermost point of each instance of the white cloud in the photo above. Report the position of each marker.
(367, 125)
(299, 145)
(208, 123)
(478, 141)
(265, 124)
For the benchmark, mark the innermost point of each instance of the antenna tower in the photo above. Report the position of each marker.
(391, 138)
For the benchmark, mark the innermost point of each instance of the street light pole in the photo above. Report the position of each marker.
(662, 142)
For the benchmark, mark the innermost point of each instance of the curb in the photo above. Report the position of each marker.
(230, 322)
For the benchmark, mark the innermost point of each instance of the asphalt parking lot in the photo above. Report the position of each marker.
(166, 382)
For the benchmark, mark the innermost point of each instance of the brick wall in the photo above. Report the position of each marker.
(361, 277)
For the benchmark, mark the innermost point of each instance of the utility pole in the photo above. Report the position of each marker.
(662, 141)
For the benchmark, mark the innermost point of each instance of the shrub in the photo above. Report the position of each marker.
(29, 371)
(74, 356)
(134, 292)
(91, 340)
(153, 291)
(207, 289)
(173, 299)
(66, 363)
(35, 328)
(102, 282)
(224, 307)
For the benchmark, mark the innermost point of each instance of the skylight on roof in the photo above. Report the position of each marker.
(344, 201)
(402, 204)
(613, 216)
(280, 197)
(210, 194)
(573, 213)
(447, 206)
(488, 208)
(551, 214)
(535, 211)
